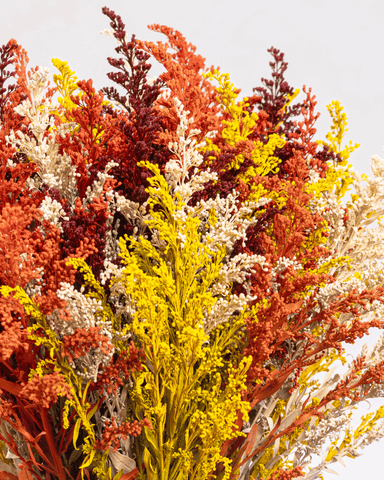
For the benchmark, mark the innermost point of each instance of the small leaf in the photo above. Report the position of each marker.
(121, 462)
(89, 460)
(131, 475)
(76, 432)
(85, 391)
(25, 475)
(330, 470)
(151, 470)
(93, 411)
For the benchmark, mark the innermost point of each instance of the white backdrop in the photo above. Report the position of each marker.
(333, 46)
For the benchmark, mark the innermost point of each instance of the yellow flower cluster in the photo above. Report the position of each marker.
(238, 128)
(66, 85)
(338, 175)
(180, 391)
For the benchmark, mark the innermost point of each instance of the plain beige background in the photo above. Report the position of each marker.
(335, 47)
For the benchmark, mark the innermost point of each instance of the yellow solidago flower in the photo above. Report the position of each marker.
(337, 177)
(66, 85)
(368, 422)
(338, 131)
(321, 365)
(65, 82)
(238, 129)
(180, 389)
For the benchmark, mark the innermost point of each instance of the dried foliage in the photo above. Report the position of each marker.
(179, 274)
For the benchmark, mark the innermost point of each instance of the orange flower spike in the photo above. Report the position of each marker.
(88, 117)
(306, 127)
(21, 63)
(13, 338)
(184, 81)
(13, 180)
(57, 271)
(109, 375)
(17, 245)
(82, 340)
(8, 54)
(99, 207)
(97, 138)
(45, 390)
(112, 433)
